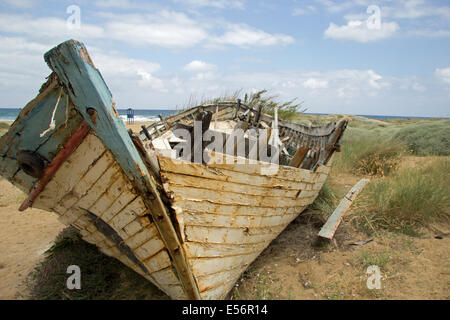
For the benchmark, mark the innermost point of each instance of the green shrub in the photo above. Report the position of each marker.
(427, 137)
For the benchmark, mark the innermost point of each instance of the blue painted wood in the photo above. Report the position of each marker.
(24, 133)
(88, 90)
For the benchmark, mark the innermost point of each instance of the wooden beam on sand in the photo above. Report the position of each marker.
(329, 228)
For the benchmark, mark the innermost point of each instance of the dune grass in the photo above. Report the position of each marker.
(426, 137)
(367, 152)
(102, 277)
(326, 201)
(408, 198)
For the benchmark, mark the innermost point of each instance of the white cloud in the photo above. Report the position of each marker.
(132, 69)
(243, 35)
(197, 65)
(165, 28)
(357, 30)
(20, 58)
(313, 83)
(46, 28)
(443, 74)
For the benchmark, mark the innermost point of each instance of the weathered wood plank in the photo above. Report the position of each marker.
(149, 248)
(233, 221)
(217, 280)
(99, 187)
(227, 209)
(49, 171)
(70, 173)
(222, 197)
(229, 235)
(166, 277)
(202, 267)
(191, 169)
(194, 182)
(158, 261)
(142, 237)
(222, 161)
(329, 228)
(216, 250)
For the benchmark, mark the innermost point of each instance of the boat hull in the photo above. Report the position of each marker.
(228, 214)
(190, 228)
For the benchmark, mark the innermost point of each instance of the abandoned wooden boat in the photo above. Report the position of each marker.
(189, 226)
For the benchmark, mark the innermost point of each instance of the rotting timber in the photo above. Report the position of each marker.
(189, 225)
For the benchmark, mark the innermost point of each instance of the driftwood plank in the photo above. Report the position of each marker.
(329, 228)
(298, 157)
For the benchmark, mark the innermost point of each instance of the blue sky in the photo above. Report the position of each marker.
(354, 57)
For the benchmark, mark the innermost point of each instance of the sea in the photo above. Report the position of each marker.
(146, 115)
(10, 114)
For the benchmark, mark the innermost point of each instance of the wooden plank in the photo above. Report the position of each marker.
(187, 168)
(6, 141)
(210, 282)
(227, 209)
(70, 172)
(69, 146)
(257, 168)
(158, 262)
(222, 197)
(298, 157)
(23, 181)
(99, 187)
(329, 228)
(191, 181)
(207, 234)
(142, 237)
(166, 277)
(202, 267)
(87, 89)
(109, 197)
(219, 292)
(149, 248)
(119, 205)
(216, 250)
(232, 221)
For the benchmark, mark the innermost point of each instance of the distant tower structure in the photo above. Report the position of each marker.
(130, 115)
